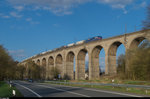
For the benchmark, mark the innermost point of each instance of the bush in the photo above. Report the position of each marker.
(135, 65)
(7, 65)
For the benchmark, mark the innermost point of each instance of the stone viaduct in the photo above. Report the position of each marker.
(63, 59)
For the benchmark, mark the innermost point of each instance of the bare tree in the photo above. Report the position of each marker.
(7, 65)
(54, 72)
(33, 71)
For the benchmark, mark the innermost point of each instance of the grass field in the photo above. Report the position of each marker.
(6, 91)
(108, 79)
(118, 89)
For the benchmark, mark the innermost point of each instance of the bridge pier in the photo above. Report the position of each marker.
(65, 63)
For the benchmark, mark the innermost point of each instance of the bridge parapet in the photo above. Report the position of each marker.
(63, 58)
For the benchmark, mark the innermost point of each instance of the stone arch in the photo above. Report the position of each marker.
(95, 70)
(33, 61)
(135, 42)
(81, 64)
(70, 65)
(51, 61)
(43, 68)
(44, 62)
(38, 62)
(50, 67)
(112, 65)
(59, 64)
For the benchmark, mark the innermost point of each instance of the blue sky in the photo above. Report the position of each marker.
(29, 27)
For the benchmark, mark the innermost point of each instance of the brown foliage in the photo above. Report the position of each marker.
(54, 72)
(33, 70)
(7, 65)
(137, 62)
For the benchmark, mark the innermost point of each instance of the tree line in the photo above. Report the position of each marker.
(10, 69)
(7, 65)
(135, 64)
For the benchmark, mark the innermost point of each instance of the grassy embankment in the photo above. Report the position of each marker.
(118, 89)
(116, 81)
(6, 90)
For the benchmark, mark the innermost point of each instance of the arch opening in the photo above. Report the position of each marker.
(136, 42)
(87, 66)
(74, 68)
(81, 64)
(120, 59)
(113, 53)
(43, 68)
(102, 62)
(96, 68)
(33, 61)
(38, 62)
(59, 64)
(70, 66)
(44, 62)
(50, 67)
(51, 61)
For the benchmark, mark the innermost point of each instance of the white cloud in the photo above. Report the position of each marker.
(19, 8)
(141, 5)
(87, 58)
(16, 15)
(31, 21)
(63, 7)
(4, 16)
(58, 7)
(11, 14)
(17, 53)
(118, 4)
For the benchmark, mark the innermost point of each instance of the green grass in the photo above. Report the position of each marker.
(118, 89)
(117, 81)
(6, 91)
(137, 82)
